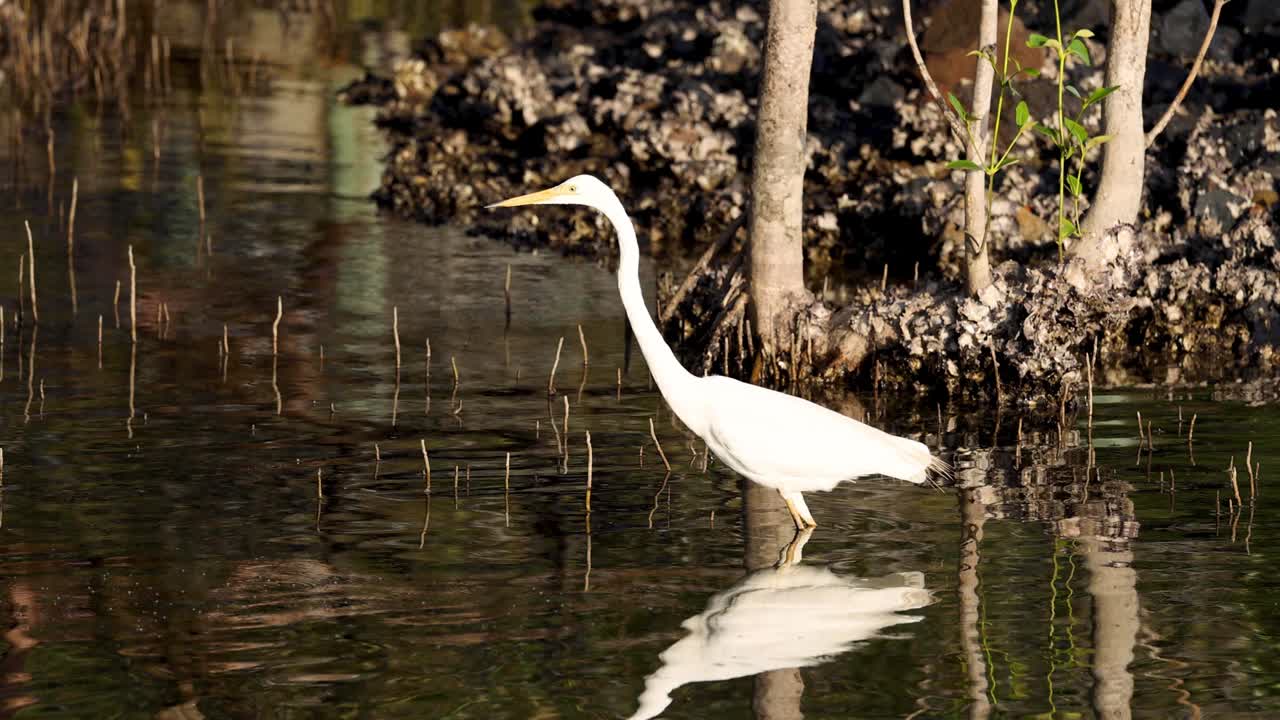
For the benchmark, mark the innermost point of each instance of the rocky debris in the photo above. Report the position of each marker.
(1263, 15)
(1231, 165)
(658, 99)
(1180, 31)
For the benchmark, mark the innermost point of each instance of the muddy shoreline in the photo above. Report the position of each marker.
(658, 100)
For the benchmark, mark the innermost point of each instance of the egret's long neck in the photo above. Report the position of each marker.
(676, 383)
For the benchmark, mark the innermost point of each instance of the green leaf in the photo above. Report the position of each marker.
(1081, 135)
(985, 56)
(959, 108)
(1083, 32)
(1096, 141)
(1049, 133)
(1078, 48)
(1006, 163)
(1022, 114)
(1031, 72)
(1072, 89)
(1073, 184)
(963, 165)
(1037, 40)
(1100, 93)
(1066, 229)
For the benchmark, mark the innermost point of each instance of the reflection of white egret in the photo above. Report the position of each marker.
(783, 617)
(777, 440)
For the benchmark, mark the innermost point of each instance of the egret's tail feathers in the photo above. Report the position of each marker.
(938, 468)
(919, 466)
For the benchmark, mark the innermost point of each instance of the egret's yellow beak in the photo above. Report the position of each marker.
(537, 198)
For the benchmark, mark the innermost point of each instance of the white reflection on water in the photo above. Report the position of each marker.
(782, 617)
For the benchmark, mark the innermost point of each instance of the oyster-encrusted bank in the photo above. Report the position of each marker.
(658, 99)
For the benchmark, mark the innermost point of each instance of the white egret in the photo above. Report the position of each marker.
(777, 440)
(782, 617)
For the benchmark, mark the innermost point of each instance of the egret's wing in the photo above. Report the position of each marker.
(771, 434)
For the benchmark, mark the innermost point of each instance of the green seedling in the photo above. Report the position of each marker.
(1070, 137)
(1022, 116)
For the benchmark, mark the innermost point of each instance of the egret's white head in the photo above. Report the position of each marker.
(577, 190)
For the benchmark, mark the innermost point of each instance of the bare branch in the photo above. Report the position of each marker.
(670, 307)
(1191, 77)
(956, 122)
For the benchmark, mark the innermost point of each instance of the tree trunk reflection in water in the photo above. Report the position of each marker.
(1113, 584)
(973, 515)
(768, 530)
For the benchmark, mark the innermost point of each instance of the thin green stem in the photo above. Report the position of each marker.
(1004, 81)
(1079, 173)
(1011, 144)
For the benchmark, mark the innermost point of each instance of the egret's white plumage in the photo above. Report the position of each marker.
(787, 617)
(775, 439)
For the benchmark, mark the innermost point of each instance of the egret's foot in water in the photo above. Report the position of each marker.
(794, 551)
(799, 511)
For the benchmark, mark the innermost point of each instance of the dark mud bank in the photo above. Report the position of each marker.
(658, 99)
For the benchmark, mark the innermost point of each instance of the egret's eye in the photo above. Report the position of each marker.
(573, 188)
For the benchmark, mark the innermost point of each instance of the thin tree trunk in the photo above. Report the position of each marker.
(1119, 195)
(777, 183)
(977, 262)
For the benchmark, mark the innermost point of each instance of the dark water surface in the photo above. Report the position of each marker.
(164, 551)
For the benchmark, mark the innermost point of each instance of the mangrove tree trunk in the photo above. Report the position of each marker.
(1119, 194)
(977, 262)
(777, 183)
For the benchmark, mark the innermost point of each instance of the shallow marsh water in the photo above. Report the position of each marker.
(164, 551)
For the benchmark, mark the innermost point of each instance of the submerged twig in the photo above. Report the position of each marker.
(200, 196)
(551, 381)
(31, 260)
(1253, 480)
(653, 434)
(506, 289)
(1235, 486)
(1088, 370)
(395, 332)
(995, 371)
(133, 299)
(590, 463)
(275, 326)
(71, 229)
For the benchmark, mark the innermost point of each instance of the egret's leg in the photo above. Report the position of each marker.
(799, 511)
(791, 508)
(793, 552)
